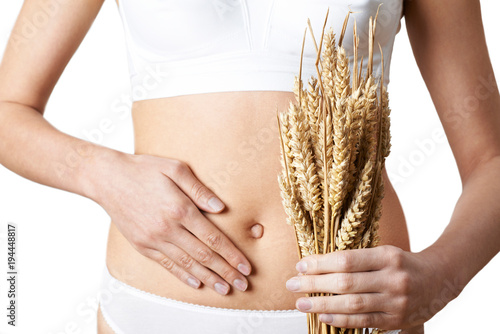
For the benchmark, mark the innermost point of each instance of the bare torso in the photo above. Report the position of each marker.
(230, 141)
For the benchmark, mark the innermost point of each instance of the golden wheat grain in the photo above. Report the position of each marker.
(334, 143)
(356, 136)
(341, 119)
(377, 214)
(328, 62)
(285, 181)
(287, 157)
(342, 75)
(339, 175)
(358, 209)
(286, 197)
(386, 133)
(303, 163)
(313, 114)
(296, 217)
(305, 170)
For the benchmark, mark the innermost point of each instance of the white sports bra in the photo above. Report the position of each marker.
(179, 47)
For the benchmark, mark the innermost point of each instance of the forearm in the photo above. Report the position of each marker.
(31, 147)
(470, 240)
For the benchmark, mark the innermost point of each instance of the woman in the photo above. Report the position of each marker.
(165, 234)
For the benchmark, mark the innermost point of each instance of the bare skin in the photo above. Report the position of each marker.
(211, 146)
(158, 199)
(253, 218)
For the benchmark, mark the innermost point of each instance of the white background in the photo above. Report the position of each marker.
(62, 236)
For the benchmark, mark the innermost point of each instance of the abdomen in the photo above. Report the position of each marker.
(230, 141)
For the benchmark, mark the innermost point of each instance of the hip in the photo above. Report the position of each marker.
(126, 309)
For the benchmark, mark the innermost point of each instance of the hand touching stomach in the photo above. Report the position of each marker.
(227, 142)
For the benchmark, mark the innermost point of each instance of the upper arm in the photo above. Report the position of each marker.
(44, 38)
(449, 45)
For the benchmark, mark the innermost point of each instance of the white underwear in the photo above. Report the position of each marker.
(128, 310)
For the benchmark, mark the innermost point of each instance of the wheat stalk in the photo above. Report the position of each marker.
(334, 141)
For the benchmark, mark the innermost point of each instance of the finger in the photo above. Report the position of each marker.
(210, 235)
(172, 267)
(185, 262)
(363, 320)
(208, 258)
(337, 283)
(204, 198)
(182, 209)
(343, 304)
(352, 260)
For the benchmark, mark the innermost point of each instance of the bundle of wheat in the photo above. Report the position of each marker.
(334, 141)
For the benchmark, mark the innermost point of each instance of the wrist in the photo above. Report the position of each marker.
(97, 170)
(446, 271)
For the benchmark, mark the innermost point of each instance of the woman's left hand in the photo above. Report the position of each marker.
(382, 287)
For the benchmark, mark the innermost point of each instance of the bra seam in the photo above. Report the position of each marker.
(128, 40)
(244, 9)
(268, 27)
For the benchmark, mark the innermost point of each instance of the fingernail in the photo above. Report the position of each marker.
(293, 284)
(215, 204)
(304, 304)
(244, 269)
(193, 282)
(221, 288)
(326, 318)
(239, 284)
(301, 266)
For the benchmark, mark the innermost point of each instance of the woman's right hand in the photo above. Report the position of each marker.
(155, 202)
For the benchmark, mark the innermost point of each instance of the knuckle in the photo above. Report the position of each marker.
(344, 320)
(162, 227)
(226, 274)
(178, 168)
(136, 241)
(206, 277)
(167, 263)
(199, 191)
(307, 282)
(344, 260)
(404, 304)
(368, 320)
(214, 240)
(186, 261)
(166, 232)
(356, 303)
(403, 282)
(142, 240)
(312, 263)
(205, 257)
(231, 256)
(396, 256)
(176, 211)
(323, 304)
(344, 282)
(147, 252)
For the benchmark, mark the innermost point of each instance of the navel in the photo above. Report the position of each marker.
(257, 231)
